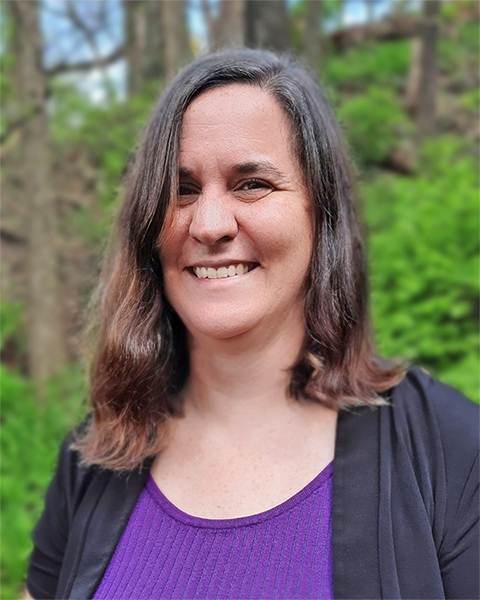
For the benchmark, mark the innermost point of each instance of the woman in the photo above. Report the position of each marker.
(234, 375)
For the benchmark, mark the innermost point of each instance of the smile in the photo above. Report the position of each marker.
(223, 272)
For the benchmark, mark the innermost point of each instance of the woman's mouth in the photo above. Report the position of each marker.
(232, 270)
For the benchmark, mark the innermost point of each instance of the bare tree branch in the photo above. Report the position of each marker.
(53, 9)
(90, 35)
(17, 123)
(67, 67)
(11, 237)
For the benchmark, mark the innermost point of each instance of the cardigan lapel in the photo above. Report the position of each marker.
(355, 505)
(97, 529)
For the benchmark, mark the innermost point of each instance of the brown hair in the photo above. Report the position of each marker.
(141, 359)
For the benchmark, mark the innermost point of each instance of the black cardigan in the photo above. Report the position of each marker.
(405, 504)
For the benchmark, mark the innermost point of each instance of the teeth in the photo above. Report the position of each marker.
(221, 273)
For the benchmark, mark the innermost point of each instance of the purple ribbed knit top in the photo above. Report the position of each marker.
(284, 552)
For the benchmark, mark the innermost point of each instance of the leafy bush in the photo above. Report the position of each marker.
(384, 65)
(425, 261)
(375, 124)
(459, 55)
(11, 322)
(30, 438)
(470, 101)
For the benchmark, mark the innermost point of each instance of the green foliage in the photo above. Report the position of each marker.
(459, 56)
(30, 438)
(470, 101)
(331, 10)
(450, 10)
(364, 83)
(425, 261)
(384, 64)
(375, 124)
(107, 134)
(11, 322)
(297, 19)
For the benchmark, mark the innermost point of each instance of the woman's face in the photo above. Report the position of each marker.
(236, 255)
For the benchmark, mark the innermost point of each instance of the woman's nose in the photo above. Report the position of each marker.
(213, 219)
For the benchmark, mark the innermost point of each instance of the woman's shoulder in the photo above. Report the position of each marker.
(77, 479)
(69, 458)
(421, 394)
(72, 477)
(426, 412)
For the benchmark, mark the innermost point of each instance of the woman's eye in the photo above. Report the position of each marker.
(255, 184)
(252, 190)
(186, 194)
(185, 190)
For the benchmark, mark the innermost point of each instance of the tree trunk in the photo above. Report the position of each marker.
(136, 40)
(209, 21)
(313, 34)
(228, 30)
(414, 75)
(426, 114)
(157, 40)
(267, 24)
(154, 51)
(176, 46)
(47, 344)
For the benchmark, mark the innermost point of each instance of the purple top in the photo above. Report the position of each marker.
(284, 552)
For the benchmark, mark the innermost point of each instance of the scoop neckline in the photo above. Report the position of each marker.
(179, 515)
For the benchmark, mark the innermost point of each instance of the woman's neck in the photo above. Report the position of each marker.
(243, 380)
(238, 416)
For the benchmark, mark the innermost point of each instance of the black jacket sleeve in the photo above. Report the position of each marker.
(51, 532)
(458, 554)
(64, 557)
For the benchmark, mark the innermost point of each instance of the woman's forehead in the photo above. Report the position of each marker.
(231, 102)
(238, 122)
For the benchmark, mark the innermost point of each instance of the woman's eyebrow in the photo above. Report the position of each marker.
(246, 168)
(256, 167)
(184, 173)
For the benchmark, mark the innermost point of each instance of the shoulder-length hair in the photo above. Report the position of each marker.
(141, 360)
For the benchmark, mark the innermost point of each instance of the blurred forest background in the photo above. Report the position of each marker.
(78, 79)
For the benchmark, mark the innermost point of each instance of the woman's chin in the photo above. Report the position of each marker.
(220, 328)
(219, 332)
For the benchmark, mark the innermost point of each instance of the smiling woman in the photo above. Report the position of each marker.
(245, 440)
